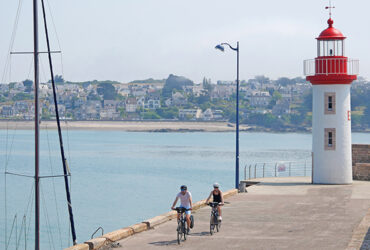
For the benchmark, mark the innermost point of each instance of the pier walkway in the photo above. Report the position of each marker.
(278, 213)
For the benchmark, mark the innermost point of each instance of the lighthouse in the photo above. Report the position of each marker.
(331, 74)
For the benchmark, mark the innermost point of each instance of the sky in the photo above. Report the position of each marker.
(126, 40)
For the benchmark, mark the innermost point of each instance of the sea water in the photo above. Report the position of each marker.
(122, 178)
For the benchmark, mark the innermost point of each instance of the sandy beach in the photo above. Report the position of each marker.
(133, 126)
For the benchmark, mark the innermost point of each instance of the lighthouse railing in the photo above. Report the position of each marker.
(277, 169)
(331, 66)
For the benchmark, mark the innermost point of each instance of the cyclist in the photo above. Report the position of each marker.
(217, 197)
(186, 202)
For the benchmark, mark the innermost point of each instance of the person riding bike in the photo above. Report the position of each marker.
(185, 202)
(217, 197)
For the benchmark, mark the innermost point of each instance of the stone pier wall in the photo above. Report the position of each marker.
(361, 162)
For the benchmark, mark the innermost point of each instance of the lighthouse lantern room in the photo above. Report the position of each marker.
(331, 74)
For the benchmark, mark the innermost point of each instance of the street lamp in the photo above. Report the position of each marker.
(222, 48)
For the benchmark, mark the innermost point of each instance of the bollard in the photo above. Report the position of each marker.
(255, 170)
(275, 168)
(242, 187)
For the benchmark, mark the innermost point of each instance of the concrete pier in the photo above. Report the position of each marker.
(278, 213)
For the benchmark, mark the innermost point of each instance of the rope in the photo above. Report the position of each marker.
(12, 38)
(31, 210)
(5, 210)
(8, 154)
(30, 69)
(7, 242)
(70, 228)
(20, 231)
(52, 20)
(50, 236)
(42, 69)
(53, 182)
(68, 147)
(59, 129)
(57, 36)
(7, 158)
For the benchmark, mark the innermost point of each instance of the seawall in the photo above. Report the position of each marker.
(123, 233)
(361, 162)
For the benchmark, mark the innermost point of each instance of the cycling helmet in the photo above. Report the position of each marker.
(216, 185)
(183, 187)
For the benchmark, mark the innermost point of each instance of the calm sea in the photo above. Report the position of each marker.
(122, 178)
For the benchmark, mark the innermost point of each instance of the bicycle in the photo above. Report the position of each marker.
(181, 224)
(214, 222)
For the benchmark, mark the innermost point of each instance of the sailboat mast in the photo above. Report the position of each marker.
(37, 122)
(64, 161)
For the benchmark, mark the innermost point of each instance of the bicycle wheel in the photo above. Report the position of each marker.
(184, 231)
(211, 225)
(179, 233)
(216, 222)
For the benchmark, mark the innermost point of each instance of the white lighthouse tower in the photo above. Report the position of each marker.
(331, 75)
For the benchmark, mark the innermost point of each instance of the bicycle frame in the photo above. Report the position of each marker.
(214, 217)
(181, 224)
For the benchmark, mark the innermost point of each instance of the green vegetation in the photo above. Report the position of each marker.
(168, 113)
(150, 80)
(150, 115)
(107, 90)
(174, 83)
(22, 96)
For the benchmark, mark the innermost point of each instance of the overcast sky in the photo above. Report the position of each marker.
(125, 40)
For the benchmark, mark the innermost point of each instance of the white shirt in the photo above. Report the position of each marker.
(185, 199)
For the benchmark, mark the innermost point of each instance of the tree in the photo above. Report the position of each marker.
(175, 83)
(58, 79)
(207, 85)
(150, 115)
(168, 113)
(276, 96)
(366, 117)
(22, 96)
(2, 98)
(107, 90)
(284, 81)
(28, 85)
(262, 79)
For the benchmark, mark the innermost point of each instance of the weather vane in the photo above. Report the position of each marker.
(330, 7)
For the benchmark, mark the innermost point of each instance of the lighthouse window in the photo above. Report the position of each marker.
(330, 139)
(330, 48)
(329, 103)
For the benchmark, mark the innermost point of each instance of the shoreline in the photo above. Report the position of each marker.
(152, 126)
(129, 126)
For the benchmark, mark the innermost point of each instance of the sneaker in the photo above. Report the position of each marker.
(188, 231)
(219, 218)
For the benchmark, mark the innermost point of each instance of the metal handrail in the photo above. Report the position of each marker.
(274, 169)
(99, 228)
(331, 66)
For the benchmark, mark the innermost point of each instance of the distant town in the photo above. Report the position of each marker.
(282, 104)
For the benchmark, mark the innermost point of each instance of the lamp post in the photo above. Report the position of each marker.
(221, 47)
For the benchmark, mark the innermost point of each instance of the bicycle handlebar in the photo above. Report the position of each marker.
(215, 204)
(181, 209)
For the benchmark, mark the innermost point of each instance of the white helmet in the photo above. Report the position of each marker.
(216, 185)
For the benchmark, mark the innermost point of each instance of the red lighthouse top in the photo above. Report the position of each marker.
(331, 33)
(331, 66)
